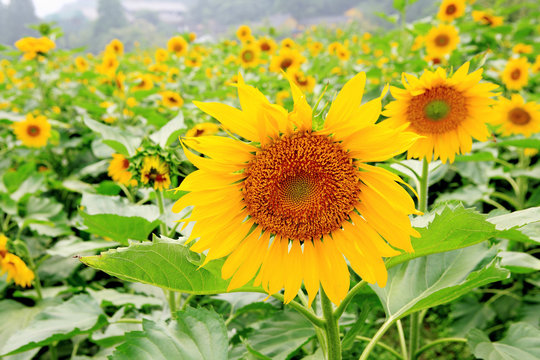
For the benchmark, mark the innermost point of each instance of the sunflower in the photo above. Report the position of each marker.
(306, 83)
(441, 40)
(288, 43)
(447, 112)
(81, 64)
(451, 9)
(267, 45)
(536, 66)
(522, 49)
(343, 53)
(32, 47)
(292, 201)
(249, 56)
(118, 170)
(486, 18)
(517, 117)
(193, 59)
(34, 131)
(203, 129)
(116, 47)
(177, 45)
(315, 48)
(171, 99)
(155, 172)
(243, 33)
(144, 82)
(16, 269)
(286, 59)
(161, 55)
(109, 64)
(281, 96)
(516, 73)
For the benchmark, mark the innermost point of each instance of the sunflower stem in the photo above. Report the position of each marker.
(172, 303)
(162, 225)
(331, 328)
(382, 345)
(438, 341)
(423, 190)
(348, 298)
(402, 342)
(304, 311)
(375, 339)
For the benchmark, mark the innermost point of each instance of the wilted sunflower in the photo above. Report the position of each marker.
(447, 112)
(155, 172)
(34, 131)
(516, 73)
(441, 40)
(171, 99)
(516, 117)
(118, 170)
(288, 205)
(451, 9)
(177, 45)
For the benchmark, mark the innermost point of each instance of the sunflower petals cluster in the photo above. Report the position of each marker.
(515, 116)
(32, 47)
(34, 131)
(14, 266)
(293, 202)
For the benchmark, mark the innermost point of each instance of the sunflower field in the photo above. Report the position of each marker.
(332, 194)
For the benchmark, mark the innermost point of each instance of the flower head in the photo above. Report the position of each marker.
(155, 172)
(32, 47)
(292, 201)
(486, 18)
(451, 9)
(203, 129)
(516, 73)
(16, 270)
(441, 40)
(177, 45)
(447, 112)
(243, 33)
(515, 116)
(171, 99)
(118, 170)
(35, 131)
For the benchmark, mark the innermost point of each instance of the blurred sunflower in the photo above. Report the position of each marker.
(447, 112)
(288, 43)
(34, 131)
(155, 172)
(536, 66)
(486, 18)
(514, 116)
(305, 82)
(116, 47)
(177, 45)
(14, 266)
(161, 55)
(267, 45)
(81, 64)
(203, 129)
(249, 56)
(118, 170)
(516, 73)
(441, 40)
(171, 99)
(294, 202)
(243, 33)
(144, 82)
(286, 59)
(451, 9)
(522, 49)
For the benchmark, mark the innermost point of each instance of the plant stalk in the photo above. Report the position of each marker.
(331, 328)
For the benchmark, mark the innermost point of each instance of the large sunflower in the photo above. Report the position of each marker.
(516, 73)
(451, 9)
(441, 40)
(289, 203)
(34, 131)
(517, 117)
(447, 112)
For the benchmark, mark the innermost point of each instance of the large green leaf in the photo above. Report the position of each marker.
(438, 279)
(121, 141)
(169, 132)
(277, 337)
(79, 315)
(450, 230)
(519, 262)
(111, 217)
(197, 334)
(469, 313)
(522, 225)
(165, 263)
(522, 342)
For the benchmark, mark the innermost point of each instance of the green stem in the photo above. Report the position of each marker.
(506, 198)
(305, 312)
(172, 303)
(348, 298)
(413, 335)
(382, 345)
(53, 352)
(32, 264)
(375, 339)
(187, 301)
(423, 191)
(438, 341)
(331, 328)
(162, 225)
(402, 341)
(127, 192)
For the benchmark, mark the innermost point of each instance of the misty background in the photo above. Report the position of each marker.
(93, 23)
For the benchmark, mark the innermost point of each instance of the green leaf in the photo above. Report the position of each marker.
(169, 132)
(116, 298)
(76, 246)
(519, 262)
(516, 218)
(197, 334)
(521, 143)
(468, 314)
(41, 208)
(452, 229)
(109, 216)
(79, 315)
(31, 185)
(477, 156)
(277, 337)
(165, 263)
(119, 140)
(437, 279)
(399, 5)
(522, 342)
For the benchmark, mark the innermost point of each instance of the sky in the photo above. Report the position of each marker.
(46, 7)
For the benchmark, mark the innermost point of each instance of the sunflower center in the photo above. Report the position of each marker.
(487, 20)
(442, 40)
(301, 80)
(265, 46)
(125, 163)
(247, 55)
(519, 116)
(178, 47)
(199, 132)
(33, 130)
(301, 187)
(173, 99)
(286, 63)
(451, 9)
(437, 110)
(515, 74)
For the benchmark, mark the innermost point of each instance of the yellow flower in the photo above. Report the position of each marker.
(486, 18)
(333, 47)
(435, 60)
(315, 48)
(441, 40)
(343, 53)
(447, 112)
(161, 55)
(109, 64)
(451, 9)
(177, 45)
(243, 33)
(267, 45)
(81, 63)
(155, 172)
(516, 117)
(292, 202)
(145, 82)
(34, 131)
(287, 58)
(203, 129)
(118, 170)
(418, 43)
(16, 269)
(288, 43)
(3, 245)
(306, 83)
(116, 47)
(536, 66)
(516, 73)
(522, 49)
(249, 56)
(32, 47)
(281, 96)
(171, 99)
(192, 36)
